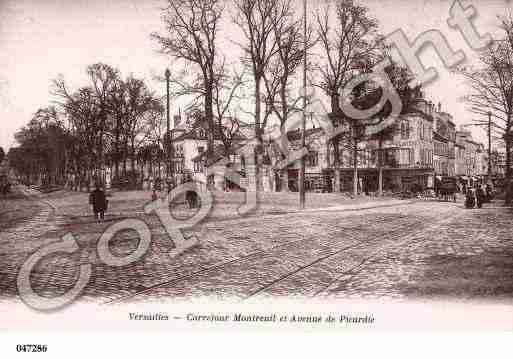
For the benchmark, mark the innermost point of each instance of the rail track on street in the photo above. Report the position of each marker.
(18, 241)
(333, 246)
(375, 253)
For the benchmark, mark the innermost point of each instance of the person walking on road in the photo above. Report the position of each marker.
(470, 198)
(480, 196)
(98, 200)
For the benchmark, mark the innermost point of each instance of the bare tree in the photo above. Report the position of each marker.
(88, 111)
(103, 79)
(226, 91)
(287, 32)
(491, 90)
(348, 41)
(141, 103)
(258, 20)
(82, 115)
(119, 112)
(156, 125)
(192, 28)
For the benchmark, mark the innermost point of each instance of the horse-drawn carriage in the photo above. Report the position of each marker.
(5, 184)
(446, 188)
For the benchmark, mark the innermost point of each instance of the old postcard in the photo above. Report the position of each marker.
(337, 166)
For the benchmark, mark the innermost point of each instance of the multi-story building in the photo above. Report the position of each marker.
(471, 160)
(404, 152)
(444, 139)
(419, 147)
(189, 140)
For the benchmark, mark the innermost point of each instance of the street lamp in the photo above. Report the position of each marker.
(302, 195)
(489, 146)
(168, 132)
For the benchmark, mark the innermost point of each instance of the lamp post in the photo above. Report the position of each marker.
(489, 146)
(303, 127)
(168, 128)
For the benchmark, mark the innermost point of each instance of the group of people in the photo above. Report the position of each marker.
(5, 188)
(476, 196)
(99, 203)
(191, 198)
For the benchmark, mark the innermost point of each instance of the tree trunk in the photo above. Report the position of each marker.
(335, 110)
(285, 181)
(380, 168)
(125, 160)
(209, 115)
(508, 182)
(355, 168)
(285, 152)
(116, 149)
(132, 160)
(258, 132)
(337, 183)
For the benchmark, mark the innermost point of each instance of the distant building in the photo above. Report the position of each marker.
(444, 139)
(189, 139)
(471, 157)
(421, 147)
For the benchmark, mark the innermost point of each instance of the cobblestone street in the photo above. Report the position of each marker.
(384, 249)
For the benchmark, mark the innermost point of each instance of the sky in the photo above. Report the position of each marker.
(41, 39)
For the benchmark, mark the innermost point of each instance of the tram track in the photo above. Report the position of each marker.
(354, 235)
(376, 253)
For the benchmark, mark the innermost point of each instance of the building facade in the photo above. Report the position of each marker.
(414, 153)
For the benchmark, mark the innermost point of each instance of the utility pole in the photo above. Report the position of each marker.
(489, 146)
(303, 127)
(168, 131)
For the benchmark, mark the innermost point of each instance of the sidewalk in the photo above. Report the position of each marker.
(74, 206)
(15, 208)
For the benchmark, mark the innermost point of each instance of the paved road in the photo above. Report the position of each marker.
(424, 249)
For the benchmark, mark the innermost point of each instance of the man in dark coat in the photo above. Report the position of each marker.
(480, 196)
(99, 202)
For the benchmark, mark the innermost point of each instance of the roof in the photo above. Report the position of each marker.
(218, 153)
(200, 128)
(439, 137)
(295, 135)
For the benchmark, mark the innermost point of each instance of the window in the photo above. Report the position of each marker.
(405, 130)
(179, 166)
(198, 166)
(202, 133)
(312, 159)
(201, 149)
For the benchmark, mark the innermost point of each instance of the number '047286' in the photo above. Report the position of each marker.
(31, 348)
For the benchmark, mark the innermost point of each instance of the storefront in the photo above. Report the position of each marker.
(394, 179)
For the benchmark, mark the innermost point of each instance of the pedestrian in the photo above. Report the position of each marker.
(99, 202)
(480, 196)
(489, 192)
(470, 200)
(154, 195)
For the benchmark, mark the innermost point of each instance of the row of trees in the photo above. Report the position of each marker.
(343, 40)
(114, 120)
(107, 123)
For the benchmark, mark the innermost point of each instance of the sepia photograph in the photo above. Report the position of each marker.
(285, 165)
